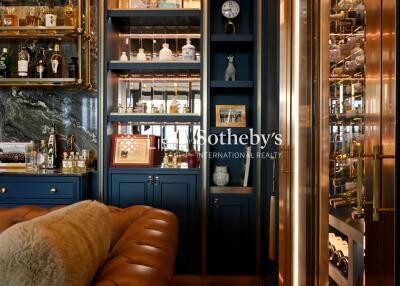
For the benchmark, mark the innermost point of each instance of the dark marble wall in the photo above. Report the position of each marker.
(28, 115)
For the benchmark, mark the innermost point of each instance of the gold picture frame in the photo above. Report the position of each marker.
(230, 116)
(135, 150)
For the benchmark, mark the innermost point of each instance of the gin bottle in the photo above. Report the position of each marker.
(23, 62)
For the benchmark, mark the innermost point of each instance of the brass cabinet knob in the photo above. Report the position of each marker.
(3, 190)
(53, 190)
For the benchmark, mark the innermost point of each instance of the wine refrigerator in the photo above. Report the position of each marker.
(337, 196)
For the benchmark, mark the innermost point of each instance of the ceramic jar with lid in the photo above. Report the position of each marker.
(166, 53)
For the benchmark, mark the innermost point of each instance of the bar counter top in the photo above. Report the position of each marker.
(42, 172)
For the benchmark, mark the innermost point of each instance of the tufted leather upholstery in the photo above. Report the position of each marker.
(143, 248)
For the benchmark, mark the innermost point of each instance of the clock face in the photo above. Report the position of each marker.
(230, 9)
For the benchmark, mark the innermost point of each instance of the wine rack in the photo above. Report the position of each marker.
(346, 128)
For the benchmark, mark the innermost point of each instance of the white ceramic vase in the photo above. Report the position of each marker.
(221, 176)
(123, 57)
(188, 51)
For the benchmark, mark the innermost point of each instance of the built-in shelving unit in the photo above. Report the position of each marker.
(232, 207)
(139, 99)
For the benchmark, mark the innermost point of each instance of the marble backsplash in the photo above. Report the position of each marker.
(28, 114)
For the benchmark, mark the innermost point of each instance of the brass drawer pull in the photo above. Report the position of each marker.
(53, 190)
(3, 190)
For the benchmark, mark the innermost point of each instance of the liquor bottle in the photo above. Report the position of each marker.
(9, 18)
(56, 63)
(52, 158)
(40, 68)
(43, 155)
(344, 265)
(69, 17)
(5, 64)
(31, 17)
(73, 68)
(51, 16)
(23, 62)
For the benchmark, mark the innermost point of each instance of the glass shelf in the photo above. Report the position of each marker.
(38, 32)
(38, 82)
(155, 117)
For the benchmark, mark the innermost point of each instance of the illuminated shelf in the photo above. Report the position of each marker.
(240, 190)
(341, 220)
(38, 82)
(154, 117)
(154, 65)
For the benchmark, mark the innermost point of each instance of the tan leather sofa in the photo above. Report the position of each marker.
(143, 248)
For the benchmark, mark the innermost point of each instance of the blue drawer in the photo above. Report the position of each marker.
(20, 187)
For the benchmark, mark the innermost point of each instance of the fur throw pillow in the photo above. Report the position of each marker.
(63, 248)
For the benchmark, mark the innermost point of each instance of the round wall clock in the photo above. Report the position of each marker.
(230, 9)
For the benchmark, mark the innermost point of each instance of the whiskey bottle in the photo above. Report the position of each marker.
(52, 157)
(5, 64)
(51, 16)
(23, 62)
(69, 17)
(56, 63)
(9, 18)
(43, 154)
(40, 68)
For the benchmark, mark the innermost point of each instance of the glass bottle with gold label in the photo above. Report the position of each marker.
(69, 14)
(56, 63)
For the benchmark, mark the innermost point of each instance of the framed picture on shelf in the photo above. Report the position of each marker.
(135, 151)
(230, 115)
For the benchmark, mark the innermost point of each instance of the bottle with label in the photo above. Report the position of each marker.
(52, 159)
(56, 63)
(69, 15)
(23, 62)
(5, 64)
(9, 18)
(51, 15)
(31, 17)
(73, 68)
(40, 68)
(188, 51)
(43, 154)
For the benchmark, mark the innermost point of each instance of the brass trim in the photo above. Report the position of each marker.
(100, 155)
(205, 161)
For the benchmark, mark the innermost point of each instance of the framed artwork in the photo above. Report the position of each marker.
(135, 150)
(230, 115)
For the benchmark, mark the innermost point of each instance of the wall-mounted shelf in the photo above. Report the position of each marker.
(155, 17)
(242, 38)
(231, 84)
(153, 66)
(234, 130)
(156, 118)
(45, 82)
(38, 32)
(341, 220)
(240, 190)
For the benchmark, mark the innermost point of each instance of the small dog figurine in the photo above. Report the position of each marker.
(230, 73)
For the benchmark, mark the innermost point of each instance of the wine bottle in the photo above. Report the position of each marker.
(40, 68)
(56, 63)
(5, 64)
(23, 62)
(344, 265)
(52, 158)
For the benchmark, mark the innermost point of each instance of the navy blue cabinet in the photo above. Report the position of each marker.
(231, 239)
(43, 190)
(176, 192)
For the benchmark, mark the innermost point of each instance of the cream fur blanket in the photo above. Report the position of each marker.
(61, 248)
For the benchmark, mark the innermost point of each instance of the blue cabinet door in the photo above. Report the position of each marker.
(180, 194)
(231, 243)
(131, 189)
